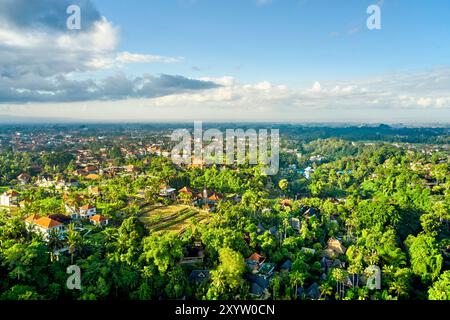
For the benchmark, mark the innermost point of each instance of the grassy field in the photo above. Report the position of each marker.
(174, 218)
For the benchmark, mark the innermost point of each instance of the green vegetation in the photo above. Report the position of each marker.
(344, 202)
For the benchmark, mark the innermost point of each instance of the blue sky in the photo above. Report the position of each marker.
(284, 40)
(261, 60)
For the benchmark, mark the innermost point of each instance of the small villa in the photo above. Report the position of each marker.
(87, 211)
(9, 198)
(99, 220)
(43, 225)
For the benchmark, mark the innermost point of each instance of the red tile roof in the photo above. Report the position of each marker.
(257, 257)
(47, 223)
(32, 218)
(12, 193)
(98, 218)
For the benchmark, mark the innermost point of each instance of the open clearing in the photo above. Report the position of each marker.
(174, 218)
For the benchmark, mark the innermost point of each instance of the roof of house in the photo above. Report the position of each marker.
(93, 176)
(214, 197)
(23, 176)
(310, 212)
(47, 223)
(260, 281)
(98, 218)
(131, 167)
(199, 275)
(60, 217)
(286, 265)
(87, 207)
(31, 218)
(257, 257)
(256, 289)
(11, 193)
(313, 291)
(335, 245)
(166, 188)
(186, 190)
(267, 269)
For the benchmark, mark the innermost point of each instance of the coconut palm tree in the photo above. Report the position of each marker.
(297, 279)
(326, 289)
(73, 240)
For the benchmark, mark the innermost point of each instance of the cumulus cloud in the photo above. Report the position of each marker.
(62, 89)
(426, 89)
(316, 87)
(38, 55)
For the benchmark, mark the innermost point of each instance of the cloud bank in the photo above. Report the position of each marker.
(39, 57)
(47, 70)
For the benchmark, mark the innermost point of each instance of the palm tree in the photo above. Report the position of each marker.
(297, 278)
(276, 283)
(54, 243)
(326, 289)
(340, 275)
(73, 240)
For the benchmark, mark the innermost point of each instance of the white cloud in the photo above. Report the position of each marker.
(316, 88)
(127, 57)
(39, 56)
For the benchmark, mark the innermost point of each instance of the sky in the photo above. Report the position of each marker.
(226, 60)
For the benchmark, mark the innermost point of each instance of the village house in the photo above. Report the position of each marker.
(75, 211)
(87, 211)
(9, 198)
(194, 254)
(99, 220)
(167, 192)
(44, 225)
(64, 219)
(207, 198)
(90, 169)
(65, 184)
(255, 262)
(286, 266)
(71, 210)
(92, 176)
(199, 276)
(259, 287)
(94, 191)
(44, 182)
(311, 212)
(328, 264)
(312, 292)
(186, 194)
(131, 169)
(334, 248)
(24, 178)
(308, 172)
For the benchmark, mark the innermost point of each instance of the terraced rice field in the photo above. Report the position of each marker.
(174, 218)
